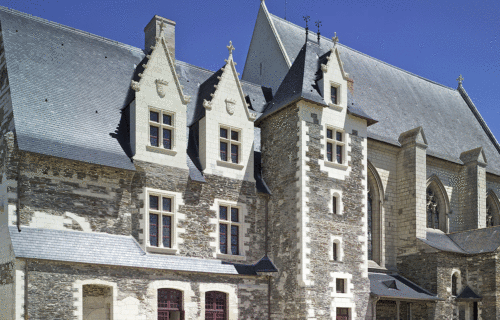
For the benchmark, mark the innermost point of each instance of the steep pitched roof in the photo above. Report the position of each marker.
(299, 82)
(108, 249)
(386, 93)
(466, 242)
(394, 286)
(468, 294)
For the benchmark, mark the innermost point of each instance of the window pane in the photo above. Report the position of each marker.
(223, 212)
(334, 95)
(340, 285)
(167, 204)
(329, 156)
(167, 227)
(223, 133)
(167, 139)
(223, 151)
(153, 230)
(234, 214)
(329, 134)
(234, 240)
(234, 153)
(153, 202)
(339, 136)
(339, 154)
(335, 251)
(234, 135)
(223, 238)
(153, 116)
(167, 119)
(334, 205)
(153, 136)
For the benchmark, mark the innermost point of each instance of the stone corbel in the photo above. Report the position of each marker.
(207, 104)
(135, 86)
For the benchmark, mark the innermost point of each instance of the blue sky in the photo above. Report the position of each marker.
(437, 40)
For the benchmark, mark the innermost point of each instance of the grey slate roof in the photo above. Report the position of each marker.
(387, 93)
(465, 242)
(107, 249)
(468, 294)
(300, 81)
(394, 286)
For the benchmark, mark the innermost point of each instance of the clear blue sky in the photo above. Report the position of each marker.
(437, 40)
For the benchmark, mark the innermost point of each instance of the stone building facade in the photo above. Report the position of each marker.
(138, 186)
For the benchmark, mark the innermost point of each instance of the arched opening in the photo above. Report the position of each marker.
(492, 209)
(97, 302)
(170, 304)
(374, 201)
(437, 205)
(454, 284)
(215, 305)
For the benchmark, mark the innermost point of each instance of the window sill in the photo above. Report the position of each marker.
(230, 165)
(336, 165)
(230, 257)
(161, 250)
(335, 106)
(161, 150)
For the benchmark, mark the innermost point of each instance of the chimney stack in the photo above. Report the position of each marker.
(152, 31)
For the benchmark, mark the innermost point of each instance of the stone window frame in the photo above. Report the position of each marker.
(343, 303)
(494, 202)
(338, 195)
(231, 298)
(335, 142)
(187, 295)
(78, 296)
(162, 126)
(229, 224)
(376, 188)
(340, 249)
(439, 190)
(459, 281)
(230, 142)
(174, 229)
(338, 104)
(348, 285)
(242, 238)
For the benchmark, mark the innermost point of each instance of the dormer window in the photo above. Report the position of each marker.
(230, 142)
(161, 129)
(333, 95)
(335, 145)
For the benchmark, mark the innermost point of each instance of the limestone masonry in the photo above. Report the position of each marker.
(137, 186)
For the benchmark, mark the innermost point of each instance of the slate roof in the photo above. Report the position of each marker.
(70, 91)
(107, 249)
(387, 93)
(468, 294)
(466, 242)
(394, 286)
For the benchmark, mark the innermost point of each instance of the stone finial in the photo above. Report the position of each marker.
(460, 79)
(230, 48)
(335, 39)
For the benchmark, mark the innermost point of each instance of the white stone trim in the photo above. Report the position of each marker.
(459, 281)
(177, 202)
(243, 238)
(232, 298)
(189, 304)
(19, 289)
(342, 300)
(340, 248)
(340, 205)
(229, 141)
(337, 106)
(78, 296)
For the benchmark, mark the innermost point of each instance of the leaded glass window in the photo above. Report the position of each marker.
(432, 210)
(370, 226)
(215, 305)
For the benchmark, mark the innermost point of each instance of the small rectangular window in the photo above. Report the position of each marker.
(340, 286)
(154, 116)
(160, 221)
(329, 152)
(153, 230)
(334, 95)
(234, 240)
(335, 143)
(153, 136)
(223, 212)
(223, 151)
(167, 204)
(223, 238)
(231, 139)
(223, 133)
(329, 133)
(339, 154)
(335, 252)
(153, 202)
(339, 136)
(229, 229)
(334, 204)
(161, 129)
(167, 139)
(234, 214)
(234, 135)
(343, 314)
(167, 119)
(167, 226)
(234, 153)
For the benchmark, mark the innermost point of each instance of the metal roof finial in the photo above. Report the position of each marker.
(335, 39)
(318, 24)
(306, 19)
(460, 79)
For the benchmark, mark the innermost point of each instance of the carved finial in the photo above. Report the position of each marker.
(230, 48)
(318, 24)
(335, 39)
(306, 19)
(460, 79)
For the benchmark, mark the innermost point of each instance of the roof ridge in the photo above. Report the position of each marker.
(193, 66)
(366, 55)
(68, 28)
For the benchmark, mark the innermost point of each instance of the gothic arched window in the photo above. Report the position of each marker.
(432, 210)
(370, 225)
(492, 210)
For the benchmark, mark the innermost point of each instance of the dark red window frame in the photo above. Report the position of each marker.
(167, 231)
(215, 305)
(169, 300)
(343, 314)
(235, 230)
(223, 238)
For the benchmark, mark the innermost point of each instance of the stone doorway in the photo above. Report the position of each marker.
(97, 302)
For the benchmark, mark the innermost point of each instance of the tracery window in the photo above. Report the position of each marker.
(170, 304)
(215, 305)
(370, 225)
(432, 210)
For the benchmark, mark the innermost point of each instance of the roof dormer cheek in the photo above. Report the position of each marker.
(333, 84)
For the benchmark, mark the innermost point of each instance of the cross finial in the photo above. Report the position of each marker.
(318, 24)
(335, 39)
(230, 48)
(460, 79)
(306, 19)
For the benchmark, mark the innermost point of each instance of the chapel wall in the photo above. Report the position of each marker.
(56, 291)
(7, 289)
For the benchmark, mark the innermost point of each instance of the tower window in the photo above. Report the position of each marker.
(340, 285)
(229, 229)
(335, 144)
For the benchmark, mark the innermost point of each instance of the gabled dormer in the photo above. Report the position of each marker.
(158, 114)
(226, 132)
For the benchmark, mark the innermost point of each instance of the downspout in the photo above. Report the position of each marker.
(18, 203)
(26, 316)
